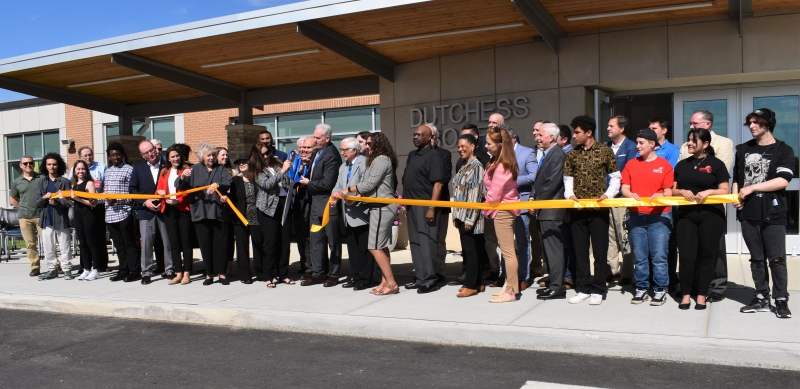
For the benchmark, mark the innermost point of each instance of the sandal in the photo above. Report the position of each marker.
(389, 290)
(288, 281)
(377, 288)
(270, 284)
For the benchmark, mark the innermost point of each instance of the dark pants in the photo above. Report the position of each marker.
(271, 233)
(213, 238)
(672, 253)
(361, 261)
(282, 267)
(180, 228)
(123, 235)
(243, 236)
(91, 251)
(570, 273)
(767, 245)
(590, 226)
(699, 231)
(321, 241)
(719, 283)
(472, 246)
(553, 250)
(99, 213)
(301, 230)
(422, 239)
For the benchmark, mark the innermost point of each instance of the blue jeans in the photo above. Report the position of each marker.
(649, 236)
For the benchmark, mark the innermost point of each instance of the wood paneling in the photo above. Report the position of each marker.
(765, 5)
(561, 9)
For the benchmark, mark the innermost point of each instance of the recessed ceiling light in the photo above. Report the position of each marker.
(109, 80)
(292, 54)
(457, 32)
(641, 11)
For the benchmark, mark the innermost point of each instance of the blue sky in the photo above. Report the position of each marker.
(28, 26)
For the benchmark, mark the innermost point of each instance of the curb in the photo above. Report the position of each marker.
(732, 352)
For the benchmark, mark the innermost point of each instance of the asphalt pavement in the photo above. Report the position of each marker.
(47, 350)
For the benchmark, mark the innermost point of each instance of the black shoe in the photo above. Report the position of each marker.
(782, 309)
(699, 307)
(542, 291)
(439, 278)
(208, 281)
(640, 296)
(493, 276)
(412, 285)
(349, 284)
(132, 278)
(684, 306)
(715, 297)
(224, 281)
(119, 277)
(757, 305)
(145, 280)
(358, 286)
(427, 288)
(247, 281)
(552, 295)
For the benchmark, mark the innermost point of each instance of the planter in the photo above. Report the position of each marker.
(393, 242)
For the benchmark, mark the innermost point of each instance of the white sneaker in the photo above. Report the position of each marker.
(83, 275)
(579, 298)
(92, 276)
(596, 299)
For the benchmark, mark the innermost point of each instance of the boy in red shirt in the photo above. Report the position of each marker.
(648, 227)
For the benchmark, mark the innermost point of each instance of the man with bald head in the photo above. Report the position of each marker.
(423, 179)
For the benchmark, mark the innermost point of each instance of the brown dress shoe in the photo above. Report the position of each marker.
(312, 281)
(467, 292)
(306, 275)
(523, 285)
(569, 284)
(499, 283)
(330, 281)
(34, 273)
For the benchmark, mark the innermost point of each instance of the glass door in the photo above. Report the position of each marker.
(785, 102)
(724, 104)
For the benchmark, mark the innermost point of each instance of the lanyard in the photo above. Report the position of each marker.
(350, 169)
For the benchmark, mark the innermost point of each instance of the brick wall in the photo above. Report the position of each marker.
(79, 127)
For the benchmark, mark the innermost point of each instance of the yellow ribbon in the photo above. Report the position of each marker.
(131, 196)
(538, 204)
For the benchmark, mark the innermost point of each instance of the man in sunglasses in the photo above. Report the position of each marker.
(22, 198)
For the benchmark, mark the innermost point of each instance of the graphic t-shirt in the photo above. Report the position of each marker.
(757, 160)
(698, 175)
(647, 178)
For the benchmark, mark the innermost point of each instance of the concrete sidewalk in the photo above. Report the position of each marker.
(718, 335)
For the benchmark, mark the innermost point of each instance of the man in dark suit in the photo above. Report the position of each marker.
(151, 221)
(324, 170)
(549, 185)
(444, 215)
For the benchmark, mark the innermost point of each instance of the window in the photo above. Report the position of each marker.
(718, 107)
(345, 123)
(112, 129)
(35, 144)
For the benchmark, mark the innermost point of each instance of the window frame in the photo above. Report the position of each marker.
(23, 135)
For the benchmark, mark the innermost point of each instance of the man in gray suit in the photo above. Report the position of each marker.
(549, 185)
(356, 216)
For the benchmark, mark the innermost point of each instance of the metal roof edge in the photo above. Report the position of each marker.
(26, 103)
(274, 16)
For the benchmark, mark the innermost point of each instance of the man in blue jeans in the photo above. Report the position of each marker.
(649, 175)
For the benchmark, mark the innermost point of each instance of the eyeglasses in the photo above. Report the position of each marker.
(159, 148)
(148, 151)
(369, 143)
(26, 163)
(266, 153)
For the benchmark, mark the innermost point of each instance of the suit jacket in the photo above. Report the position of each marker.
(723, 150)
(526, 160)
(627, 151)
(356, 214)
(323, 178)
(142, 183)
(549, 183)
(297, 200)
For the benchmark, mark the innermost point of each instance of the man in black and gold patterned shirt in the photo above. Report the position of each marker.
(585, 172)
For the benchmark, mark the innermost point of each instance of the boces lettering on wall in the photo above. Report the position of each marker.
(476, 111)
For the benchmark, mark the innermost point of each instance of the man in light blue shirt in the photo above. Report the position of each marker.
(668, 151)
(96, 169)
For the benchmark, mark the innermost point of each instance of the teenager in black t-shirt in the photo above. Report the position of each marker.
(699, 227)
(763, 168)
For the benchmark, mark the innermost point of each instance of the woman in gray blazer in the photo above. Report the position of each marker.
(379, 181)
(210, 213)
(271, 178)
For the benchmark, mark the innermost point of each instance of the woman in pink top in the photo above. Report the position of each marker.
(500, 180)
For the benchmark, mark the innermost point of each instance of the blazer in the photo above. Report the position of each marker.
(297, 199)
(61, 207)
(269, 186)
(526, 160)
(163, 184)
(142, 183)
(357, 214)
(549, 183)
(238, 196)
(323, 178)
(627, 151)
(378, 180)
(207, 206)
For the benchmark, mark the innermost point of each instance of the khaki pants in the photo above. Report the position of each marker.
(28, 228)
(616, 234)
(504, 227)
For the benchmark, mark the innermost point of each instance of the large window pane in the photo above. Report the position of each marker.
(163, 130)
(51, 142)
(355, 120)
(15, 150)
(377, 119)
(787, 115)
(112, 129)
(718, 107)
(33, 145)
(296, 125)
(266, 121)
(287, 144)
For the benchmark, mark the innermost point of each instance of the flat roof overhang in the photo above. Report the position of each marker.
(310, 50)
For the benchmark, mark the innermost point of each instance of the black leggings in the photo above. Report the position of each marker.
(243, 235)
(272, 233)
(471, 246)
(213, 238)
(179, 228)
(91, 255)
(699, 231)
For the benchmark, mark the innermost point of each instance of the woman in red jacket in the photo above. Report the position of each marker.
(177, 216)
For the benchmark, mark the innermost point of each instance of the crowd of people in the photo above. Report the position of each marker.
(583, 249)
